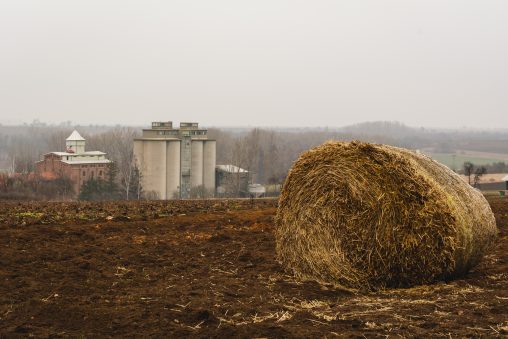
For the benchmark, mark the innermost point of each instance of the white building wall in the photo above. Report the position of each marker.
(78, 146)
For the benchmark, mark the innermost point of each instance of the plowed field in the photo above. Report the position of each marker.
(208, 269)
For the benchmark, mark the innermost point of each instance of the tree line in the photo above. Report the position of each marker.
(266, 153)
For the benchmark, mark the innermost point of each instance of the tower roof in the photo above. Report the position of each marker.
(75, 136)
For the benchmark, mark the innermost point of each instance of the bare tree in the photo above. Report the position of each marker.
(468, 171)
(478, 174)
(118, 143)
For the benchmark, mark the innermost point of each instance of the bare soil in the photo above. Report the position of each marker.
(208, 269)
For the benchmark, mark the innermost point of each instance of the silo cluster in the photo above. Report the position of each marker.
(176, 163)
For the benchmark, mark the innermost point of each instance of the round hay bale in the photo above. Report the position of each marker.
(367, 216)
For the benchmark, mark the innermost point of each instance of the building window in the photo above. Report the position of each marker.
(84, 173)
(100, 173)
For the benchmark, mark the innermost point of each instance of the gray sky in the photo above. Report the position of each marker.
(432, 63)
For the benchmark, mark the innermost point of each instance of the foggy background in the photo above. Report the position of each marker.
(255, 63)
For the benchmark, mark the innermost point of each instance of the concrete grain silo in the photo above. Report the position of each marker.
(197, 163)
(209, 162)
(172, 169)
(173, 161)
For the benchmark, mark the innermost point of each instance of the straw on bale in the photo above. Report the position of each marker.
(367, 216)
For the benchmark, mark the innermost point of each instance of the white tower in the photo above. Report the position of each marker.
(75, 143)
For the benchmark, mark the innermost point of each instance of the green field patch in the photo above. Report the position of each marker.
(456, 160)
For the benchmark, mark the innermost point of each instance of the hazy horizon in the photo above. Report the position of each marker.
(279, 63)
(241, 127)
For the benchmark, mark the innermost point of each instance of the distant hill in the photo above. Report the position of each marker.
(392, 128)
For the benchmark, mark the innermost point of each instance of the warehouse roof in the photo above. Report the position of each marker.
(79, 162)
(231, 169)
(78, 154)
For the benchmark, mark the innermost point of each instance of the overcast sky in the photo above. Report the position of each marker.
(433, 63)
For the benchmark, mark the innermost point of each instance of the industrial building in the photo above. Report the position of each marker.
(176, 162)
(75, 163)
(231, 181)
(234, 181)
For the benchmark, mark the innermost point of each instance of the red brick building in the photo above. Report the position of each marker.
(75, 163)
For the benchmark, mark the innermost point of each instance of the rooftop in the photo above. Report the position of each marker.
(164, 130)
(79, 162)
(169, 125)
(162, 125)
(91, 153)
(231, 169)
(75, 136)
